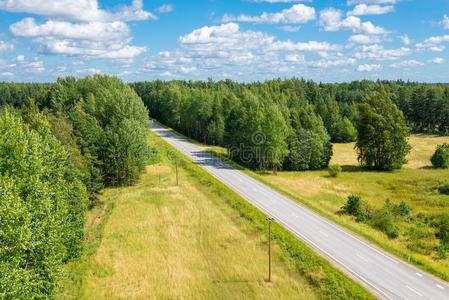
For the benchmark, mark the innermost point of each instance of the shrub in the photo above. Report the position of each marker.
(355, 207)
(440, 159)
(384, 220)
(334, 170)
(402, 210)
(444, 189)
(443, 231)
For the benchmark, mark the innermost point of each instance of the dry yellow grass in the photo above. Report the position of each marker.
(168, 242)
(416, 184)
(423, 146)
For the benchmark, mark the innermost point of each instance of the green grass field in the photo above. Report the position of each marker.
(157, 240)
(416, 184)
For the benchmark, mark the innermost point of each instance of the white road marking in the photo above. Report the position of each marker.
(440, 287)
(419, 274)
(414, 291)
(324, 233)
(362, 258)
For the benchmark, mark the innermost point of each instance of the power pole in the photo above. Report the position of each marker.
(270, 220)
(177, 176)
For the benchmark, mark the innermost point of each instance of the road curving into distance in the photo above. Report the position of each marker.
(387, 276)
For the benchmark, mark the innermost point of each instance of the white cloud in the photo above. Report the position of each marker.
(226, 36)
(363, 9)
(365, 39)
(407, 64)
(369, 68)
(353, 2)
(20, 58)
(377, 52)
(405, 39)
(312, 46)
(94, 39)
(434, 43)
(445, 22)
(295, 58)
(331, 20)
(5, 46)
(164, 8)
(328, 63)
(35, 67)
(436, 60)
(290, 28)
(89, 71)
(79, 10)
(6, 74)
(298, 13)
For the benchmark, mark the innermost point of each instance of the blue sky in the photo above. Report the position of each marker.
(244, 40)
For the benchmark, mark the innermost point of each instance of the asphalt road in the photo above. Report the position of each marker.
(384, 274)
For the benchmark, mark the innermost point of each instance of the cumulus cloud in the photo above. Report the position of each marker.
(290, 28)
(437, 60)
(227, 50)
(312, 46)
(407, 64)
(445, 22)
(405, 39)
(79, 28)
(365, 39)
(377, 52)
(79, 10)
(363, 9)
(94, 39)
(434, 43)
(164, 8)
(369, 68)
(298, 13)
(295, 58)
(5, 46)
(328, 63)
(331, 20)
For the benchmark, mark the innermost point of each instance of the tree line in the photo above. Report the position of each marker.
(60, 144)
(290, 124)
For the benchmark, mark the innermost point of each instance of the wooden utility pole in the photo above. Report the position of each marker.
(177, 176)
(270, 220)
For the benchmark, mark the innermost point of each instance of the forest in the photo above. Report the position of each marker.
(60, 145)
(290, 124)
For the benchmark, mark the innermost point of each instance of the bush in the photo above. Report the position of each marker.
(355, 207)
(384, 220)
(402, 210)
(440, 159)
(444, 189)
(334, 170)
(443, 231)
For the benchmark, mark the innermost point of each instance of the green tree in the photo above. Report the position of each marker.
(382, 133)
(42, 207)
(440, 159)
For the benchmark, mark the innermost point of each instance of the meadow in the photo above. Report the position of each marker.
(416, 184)
(157, 240)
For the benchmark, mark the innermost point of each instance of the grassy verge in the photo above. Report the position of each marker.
(328, 281)
(198, 240)
(416, 184)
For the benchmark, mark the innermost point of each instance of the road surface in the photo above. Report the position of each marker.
(384, 274)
